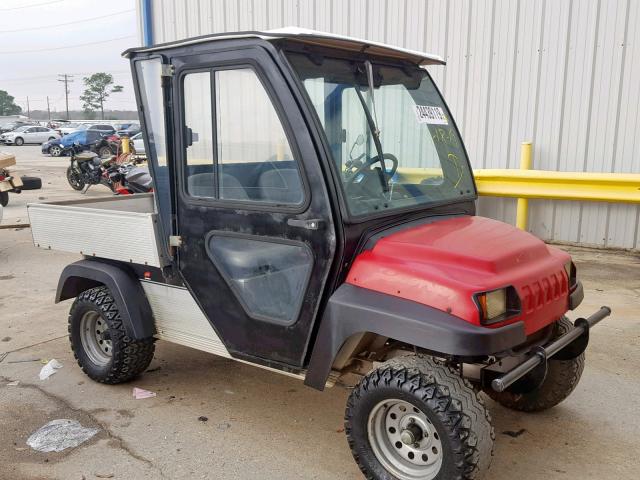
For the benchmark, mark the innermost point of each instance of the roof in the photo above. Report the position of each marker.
(312, 37)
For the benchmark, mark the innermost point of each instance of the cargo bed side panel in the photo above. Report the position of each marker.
(117, 228)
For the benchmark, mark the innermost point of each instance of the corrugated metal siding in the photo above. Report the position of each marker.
(564, 74)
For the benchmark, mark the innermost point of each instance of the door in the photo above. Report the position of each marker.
(31, 135)
(42, 135)
(252, 208)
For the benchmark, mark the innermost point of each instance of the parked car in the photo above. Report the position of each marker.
(61, 146)
(103, 127)
(137, 142)
(11, 126)
(29, 134)
(67, 128)
(130, 131)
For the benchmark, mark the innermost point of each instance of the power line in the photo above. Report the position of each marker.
(40, 77)
(69, 23)
(29, 6)
(67, 46)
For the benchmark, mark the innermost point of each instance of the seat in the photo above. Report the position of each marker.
(281, 186)
(85, 156)
(202, 185)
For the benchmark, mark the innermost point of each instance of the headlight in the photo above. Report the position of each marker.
(570, 269)
(498, 305)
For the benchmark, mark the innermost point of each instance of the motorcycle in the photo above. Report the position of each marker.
(88, 168)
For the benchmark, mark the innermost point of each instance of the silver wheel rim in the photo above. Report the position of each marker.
(94, 338)
(404, 440)
(55, 151)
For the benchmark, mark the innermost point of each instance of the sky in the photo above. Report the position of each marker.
(40, 39)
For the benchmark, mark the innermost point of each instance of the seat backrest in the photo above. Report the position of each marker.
(202, 185)
(281, 186)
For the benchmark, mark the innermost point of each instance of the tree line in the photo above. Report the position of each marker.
(98, 89)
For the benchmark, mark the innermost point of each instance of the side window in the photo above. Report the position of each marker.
(255, 162)
(198, 134)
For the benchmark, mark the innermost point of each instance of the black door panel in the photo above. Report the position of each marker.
(247, 253)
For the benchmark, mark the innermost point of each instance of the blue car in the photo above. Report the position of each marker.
(83, 138)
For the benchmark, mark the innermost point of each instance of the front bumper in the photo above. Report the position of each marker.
(565, 347)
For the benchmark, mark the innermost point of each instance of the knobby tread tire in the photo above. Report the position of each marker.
(562, 378)
(457, 407)
(130, 357)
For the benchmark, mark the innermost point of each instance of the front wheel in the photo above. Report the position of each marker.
(75, 178)
(416, 419)
(527, 395)
(4, 198)
(55, 151)
(99, 342)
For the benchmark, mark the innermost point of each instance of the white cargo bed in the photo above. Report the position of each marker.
(120, 228)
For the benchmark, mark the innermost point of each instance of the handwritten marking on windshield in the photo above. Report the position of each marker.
(453, 158)
(445, 136)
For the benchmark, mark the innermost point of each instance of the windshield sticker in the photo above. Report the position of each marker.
(431, 115)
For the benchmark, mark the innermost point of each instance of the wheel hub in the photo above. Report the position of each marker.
(412, 434)
(95, 338)
(405, 441)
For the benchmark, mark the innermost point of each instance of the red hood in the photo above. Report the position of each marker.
(442, 264)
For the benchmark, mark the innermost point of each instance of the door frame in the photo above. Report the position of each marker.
(297, 338)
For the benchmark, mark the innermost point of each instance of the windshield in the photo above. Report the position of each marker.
(20, 129)
(423, 158)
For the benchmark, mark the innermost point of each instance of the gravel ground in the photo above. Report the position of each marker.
(261, 425)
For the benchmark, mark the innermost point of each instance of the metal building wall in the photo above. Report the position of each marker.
(564, 74)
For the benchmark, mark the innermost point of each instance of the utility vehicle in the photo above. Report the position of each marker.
(314, 215)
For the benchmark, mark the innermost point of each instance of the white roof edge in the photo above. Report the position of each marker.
(302, 34)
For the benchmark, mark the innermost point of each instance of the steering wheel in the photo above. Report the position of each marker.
(371, 161)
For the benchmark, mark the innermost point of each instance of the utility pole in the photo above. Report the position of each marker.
(28, 109)
(66, 79)
(48, 108)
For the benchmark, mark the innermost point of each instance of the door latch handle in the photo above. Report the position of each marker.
(311, 224)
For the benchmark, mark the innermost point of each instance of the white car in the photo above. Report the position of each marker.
(29, 134)
(138, 145)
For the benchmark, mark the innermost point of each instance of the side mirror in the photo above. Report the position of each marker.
(360, 140)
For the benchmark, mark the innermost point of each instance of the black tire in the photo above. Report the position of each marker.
(31, 183)
(74, 179)
(55, 151)
(105, 151)
(4, 198)
(562, 378)
(129, 357)
(457, 413)
(19, 141)
(51, 138)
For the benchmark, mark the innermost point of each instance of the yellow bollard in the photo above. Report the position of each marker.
(522, 210)
(126, 144)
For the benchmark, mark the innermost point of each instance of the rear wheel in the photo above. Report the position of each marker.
(55, 151)
(563, 376)
(75, 179)
(99, 341)
(19, 141)
(4, 198)
(105, 151)
(51, 139)
(415, 419)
